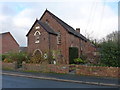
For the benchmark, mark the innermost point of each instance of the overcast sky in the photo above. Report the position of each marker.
(95, 17)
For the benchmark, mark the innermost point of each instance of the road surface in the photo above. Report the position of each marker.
(22, 82)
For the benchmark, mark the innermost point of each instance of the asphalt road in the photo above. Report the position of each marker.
(22, 82)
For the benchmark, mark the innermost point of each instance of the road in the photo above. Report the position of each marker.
(22, 82)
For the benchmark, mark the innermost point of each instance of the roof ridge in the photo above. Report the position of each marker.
(59, 19)
(66, 26)
(4, 33)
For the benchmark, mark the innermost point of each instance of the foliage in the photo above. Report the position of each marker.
(7, 60)
(83, 57)
(3, 56)
(110, 53)
(18, 57)
(37, 59)
(46, 57)
(79, 61)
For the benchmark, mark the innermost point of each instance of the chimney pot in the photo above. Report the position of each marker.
(78, 30)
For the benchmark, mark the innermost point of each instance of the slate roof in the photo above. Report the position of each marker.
(66, 26)
(47, 28)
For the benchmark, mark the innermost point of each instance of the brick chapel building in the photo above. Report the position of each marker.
(8, 43)
(51, 33)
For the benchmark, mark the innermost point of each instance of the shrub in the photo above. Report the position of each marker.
(37, 59)
(18, 57)
(7, 60)
(79, 61)
(110, 54)
(3, 56)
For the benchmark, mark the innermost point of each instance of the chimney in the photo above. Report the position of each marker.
(78, 30)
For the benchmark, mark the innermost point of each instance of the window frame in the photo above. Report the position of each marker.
(59, 38)
(37, 36)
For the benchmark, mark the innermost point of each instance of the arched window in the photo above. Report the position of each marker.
(37, 52)
(37, 36)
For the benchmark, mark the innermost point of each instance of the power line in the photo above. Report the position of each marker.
(102, 14)
(89, 18)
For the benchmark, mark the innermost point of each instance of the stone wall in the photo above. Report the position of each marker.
(46, 68)
(58, 68)
(97, 71)
(9, 66)
(80, 69)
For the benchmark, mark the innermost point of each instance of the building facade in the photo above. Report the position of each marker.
(50, 33)
(8, 43)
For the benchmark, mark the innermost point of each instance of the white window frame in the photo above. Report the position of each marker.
(37, 27)
(37, 37)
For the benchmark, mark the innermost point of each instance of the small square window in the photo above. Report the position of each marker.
(37, 27)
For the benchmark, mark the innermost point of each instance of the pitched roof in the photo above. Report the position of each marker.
(4, 33)
(45, 26)
(66, 26)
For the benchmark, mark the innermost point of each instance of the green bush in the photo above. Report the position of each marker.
(79, 61)
(7, 60)
(18, 57)
(36, 59)
(3, 56)
(110, 54)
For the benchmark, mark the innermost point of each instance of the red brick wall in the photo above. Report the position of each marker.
(10, 66)
(46, 68)
(58, 68)
(9, 44)
(53, 44)
(43, 45)
(97, 71)
(89, 51)
(67, 39)
(57, 27)
(73, 41)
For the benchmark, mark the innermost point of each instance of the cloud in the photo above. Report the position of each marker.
(96, 17)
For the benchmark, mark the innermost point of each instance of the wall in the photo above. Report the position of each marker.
(9, 66)
(58, 68)
(80, 69)
(8, 44)
(46, 68)
(97, 71)
(43, 45)
(58, 28)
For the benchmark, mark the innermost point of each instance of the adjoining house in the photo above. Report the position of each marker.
(51, 33)
(8, 43)
(23, 49)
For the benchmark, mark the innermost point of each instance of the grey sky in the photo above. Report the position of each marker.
(95, 18)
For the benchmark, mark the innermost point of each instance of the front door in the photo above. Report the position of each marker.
(73, 53)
